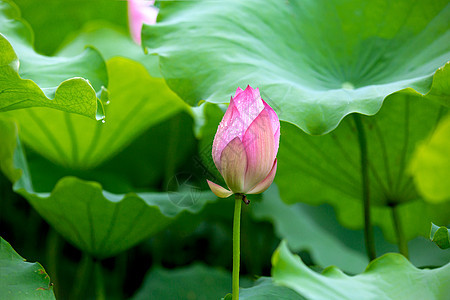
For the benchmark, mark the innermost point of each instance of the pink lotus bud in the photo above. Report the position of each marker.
(246, 145)
(140, 12)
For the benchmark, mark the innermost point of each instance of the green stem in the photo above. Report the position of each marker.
(236, 245)
(99, 282)
(368, 230)
(120, 271)
(53, 248)
(172, 145)
(401, 240)
(82, 278)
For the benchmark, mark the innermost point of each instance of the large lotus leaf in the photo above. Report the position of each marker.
(430, 165)
(20, 279)
(97, 221)
(314, 61)
(52, 25)
(137, 101)
(110, 41)
(303, 233)
(265, 289)
(138, 166)
(56, 82)
(327, 169)
(389, 277)
(197, 281)
(316, 230)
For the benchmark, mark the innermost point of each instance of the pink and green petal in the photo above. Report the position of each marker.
(275, 125)
(249, 105)
(228, 130)
(233, 163)
(259, 146)
(273, 116)
(266, 182)
(276, 139)
(218, 190)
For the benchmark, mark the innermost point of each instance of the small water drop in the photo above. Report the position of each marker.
(103, 121)
(107, 102)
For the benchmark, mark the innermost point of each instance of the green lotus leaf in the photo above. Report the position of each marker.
(20, 279)
(265, 289)
(96, 221)
(440, 236)
(52, 24)
(70, 84)
(388, 277)
(314, 61)
(316, 230)
(139, 166)
(430, 165)
(183, 283)
(110, 41)
(326, 169)
(137, 102)
(302, 232)
(197, 281)
(104, 224)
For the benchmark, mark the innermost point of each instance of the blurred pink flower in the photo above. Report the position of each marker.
(140, 12)
(246, 145)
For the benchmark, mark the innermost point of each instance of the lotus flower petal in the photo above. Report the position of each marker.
(246, 144)
(264, 185)
(227, 131)
(275, 125)
(233, 163)
(238, 91)
(140, 12)
(218, 190)
(259, 146)
(249, 105)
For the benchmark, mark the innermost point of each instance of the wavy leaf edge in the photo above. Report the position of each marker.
(83, 82)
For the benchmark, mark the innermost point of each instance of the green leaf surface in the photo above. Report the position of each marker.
(265, 289)
(110, 41)
(197, 281)
(326, 169)
(137, 167)
(56, 20)
(137, 102)
(20, 279)
(430, 165)
(388, 277)
(104, 224)
(314, 61)
(440, 236)
(302, 232)
(28, 79)
(96, 221)
(316, 230)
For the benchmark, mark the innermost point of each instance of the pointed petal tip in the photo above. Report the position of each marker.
(238, 91)
(218, 190)
(249, 89)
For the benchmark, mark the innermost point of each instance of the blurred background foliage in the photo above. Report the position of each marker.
(78, 176)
